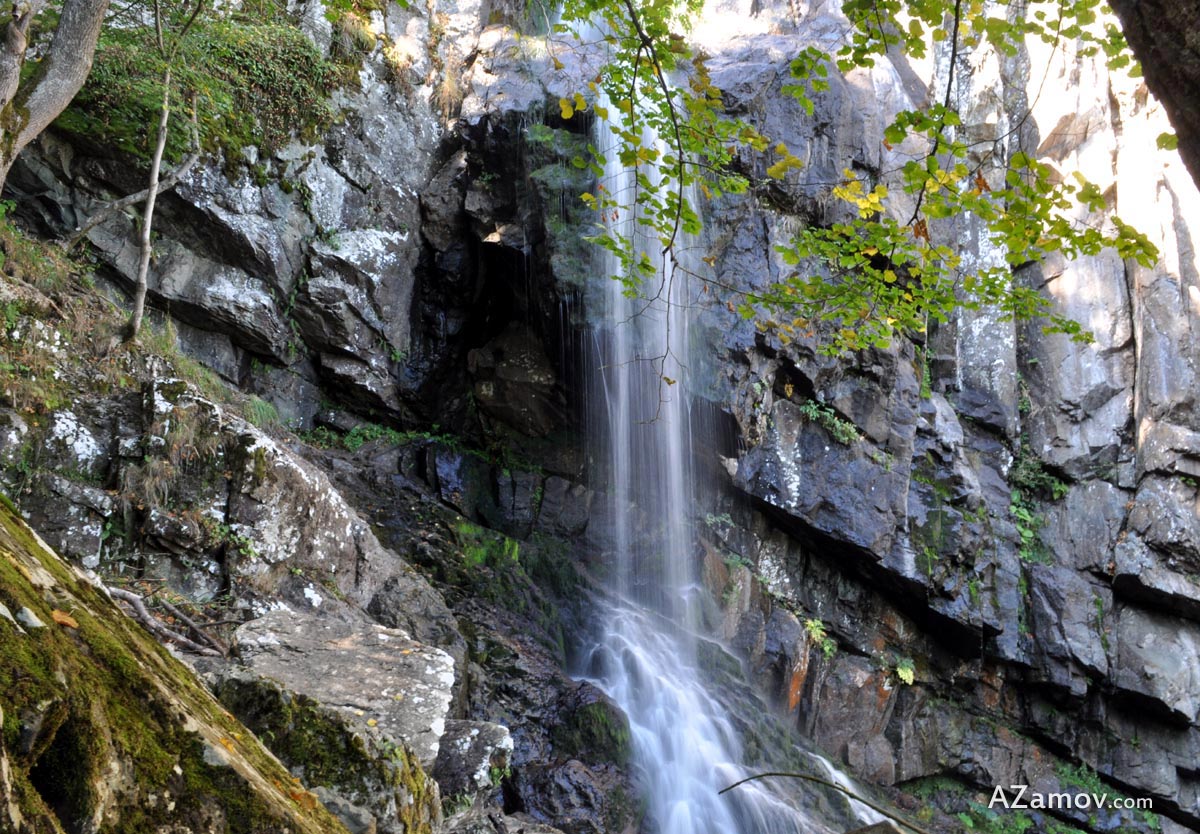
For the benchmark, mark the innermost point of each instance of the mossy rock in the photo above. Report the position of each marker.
(595, 732)
(323, 751)
(103, 730)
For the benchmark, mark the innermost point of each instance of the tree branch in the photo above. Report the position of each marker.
(873, 806)
(60, 73)
(154, 626)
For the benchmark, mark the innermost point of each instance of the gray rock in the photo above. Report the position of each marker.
(375, 677)
(1081, 396)
(370, 780)
(407, 601)
(1166, 514)
(27, 618)
(476, 820)
(1138, 574)
(799, 469)
(1072, 620)
(1083, 528)
(515, 383)
(358, 298)
(1158, 657)
(565, 507)
(473, 757)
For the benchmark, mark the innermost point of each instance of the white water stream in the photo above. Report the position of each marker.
(685, 745)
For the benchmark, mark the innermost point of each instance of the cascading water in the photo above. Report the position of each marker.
(686, 746)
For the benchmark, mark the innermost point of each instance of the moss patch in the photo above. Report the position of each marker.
(257, 82)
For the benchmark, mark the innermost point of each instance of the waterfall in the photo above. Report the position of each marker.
(685, 740)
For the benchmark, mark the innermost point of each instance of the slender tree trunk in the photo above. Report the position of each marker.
(139, 291)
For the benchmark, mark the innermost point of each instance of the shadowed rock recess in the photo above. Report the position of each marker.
(352, 446)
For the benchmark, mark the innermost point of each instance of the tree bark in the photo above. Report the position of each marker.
(27, 108)
(139, 290)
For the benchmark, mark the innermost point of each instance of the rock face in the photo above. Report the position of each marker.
(971, 558)
(1004, 515)
(982, 527)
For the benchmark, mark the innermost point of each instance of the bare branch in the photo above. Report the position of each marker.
(154, 626)
(195, 628)
(873, 806)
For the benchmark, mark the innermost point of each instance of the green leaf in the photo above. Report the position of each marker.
(1167, 141)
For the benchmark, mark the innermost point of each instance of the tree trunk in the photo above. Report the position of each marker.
(139, 290)
(28, 107)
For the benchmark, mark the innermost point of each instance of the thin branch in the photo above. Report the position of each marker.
(937, 136)
(170, 57)
(154, 626)
(873, 806)
(647, 43)
(194, 627)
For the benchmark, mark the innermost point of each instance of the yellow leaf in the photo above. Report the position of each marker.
(63, 618)
(567, 109)
(371, 722)
(557, 63)
(580, 102)
(668, 380)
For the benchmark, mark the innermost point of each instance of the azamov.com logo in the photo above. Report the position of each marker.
(1019, 797)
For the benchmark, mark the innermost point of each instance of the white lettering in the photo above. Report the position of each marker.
(1017, 801)
(998, 798)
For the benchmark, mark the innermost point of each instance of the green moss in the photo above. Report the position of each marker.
(259, 83)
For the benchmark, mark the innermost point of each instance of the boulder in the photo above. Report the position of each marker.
(378, 678)
(474, 757)
(368, 779)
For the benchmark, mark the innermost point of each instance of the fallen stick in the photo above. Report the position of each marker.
(154, 626)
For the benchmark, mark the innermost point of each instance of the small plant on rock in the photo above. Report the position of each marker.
(820, 637)
(843, 431)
